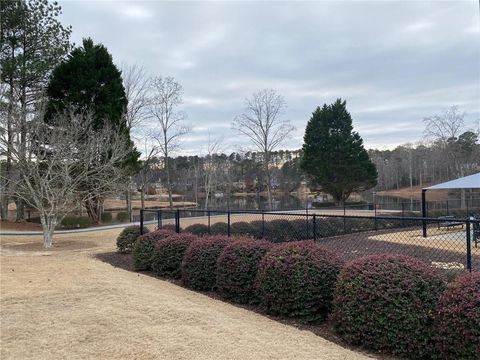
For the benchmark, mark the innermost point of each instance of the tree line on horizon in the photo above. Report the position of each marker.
(431, 160)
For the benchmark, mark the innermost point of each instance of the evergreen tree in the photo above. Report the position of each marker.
(333, 154)
(89, 82)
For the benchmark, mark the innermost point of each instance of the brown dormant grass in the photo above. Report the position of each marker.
(66, 304)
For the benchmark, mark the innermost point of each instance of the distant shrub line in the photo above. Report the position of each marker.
(283, 230)
(387, 303)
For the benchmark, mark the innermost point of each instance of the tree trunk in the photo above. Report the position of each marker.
(207, 191)
(8, 160)
(267, 181)
(93, 209)
(20, 210)
(129, 205)
(49, 222)
(142, 197)
(169, 187)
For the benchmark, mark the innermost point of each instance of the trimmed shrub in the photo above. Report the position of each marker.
(327, 227)
(168, 254)
(75, 222)
(143, 248)
(297, 279)
(280, 230)
(126, 239)
(197, 229)
(302, 228)
(122, 216)
(257, 230)
(241, 228)
(200, 261)
(219, 228)
(457, 324)
(237, 267)
(106, 217)
(386, 303)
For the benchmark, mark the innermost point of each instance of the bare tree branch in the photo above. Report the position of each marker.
(136, 84)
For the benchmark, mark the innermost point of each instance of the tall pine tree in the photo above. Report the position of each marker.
(32, 42)
(333, 154)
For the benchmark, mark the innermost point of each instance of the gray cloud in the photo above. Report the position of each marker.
(394, 62)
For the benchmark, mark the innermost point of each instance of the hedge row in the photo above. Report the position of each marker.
(387, 303)
(199, 262)
(283, 230)
(297, 280)
(143, 248)
(168, 254)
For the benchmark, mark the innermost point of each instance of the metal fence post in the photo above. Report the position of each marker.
(375, 214)
(469, 246)
(141, 221)
(263, 224)
(177, 221)
(208, 213)
(159, 219)
(447, 208)
(228, 224)
(314, 227)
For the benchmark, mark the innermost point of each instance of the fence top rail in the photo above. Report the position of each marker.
(311, 215)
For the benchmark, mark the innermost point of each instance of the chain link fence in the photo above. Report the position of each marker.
(444, 242)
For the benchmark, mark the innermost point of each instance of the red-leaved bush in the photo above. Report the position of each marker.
(237, 267)
(168, 254)
(297, 279)
(143, 248)
(457, 324)
(387, 303)
(200, 261)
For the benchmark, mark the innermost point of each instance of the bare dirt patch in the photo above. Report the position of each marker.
(19, 226)
(62, 245)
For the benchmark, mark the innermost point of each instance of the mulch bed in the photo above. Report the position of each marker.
(324, 330)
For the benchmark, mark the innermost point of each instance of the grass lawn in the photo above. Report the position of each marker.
(65, 303)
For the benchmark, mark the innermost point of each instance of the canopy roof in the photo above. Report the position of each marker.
(467, 182)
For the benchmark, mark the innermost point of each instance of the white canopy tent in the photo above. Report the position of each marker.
(466, 182)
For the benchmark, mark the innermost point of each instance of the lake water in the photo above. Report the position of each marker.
(284, 202)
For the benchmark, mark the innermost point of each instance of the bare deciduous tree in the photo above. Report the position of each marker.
(136, 84)
(262, 124)
(61, 156)
(166, 98)
(445, 126)
(210, 166)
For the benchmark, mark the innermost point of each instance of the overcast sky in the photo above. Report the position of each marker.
(394, 62)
